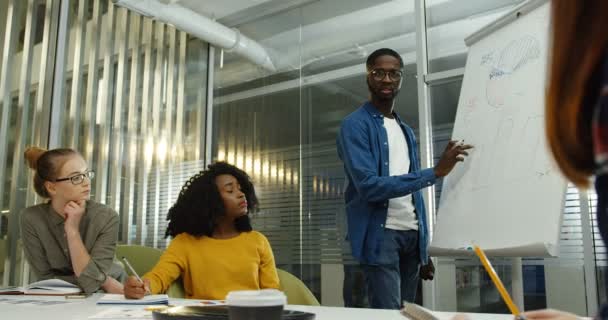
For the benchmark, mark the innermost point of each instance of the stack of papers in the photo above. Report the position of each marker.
(37, 300)
(116, 313)
(44, 287)
(146, 300)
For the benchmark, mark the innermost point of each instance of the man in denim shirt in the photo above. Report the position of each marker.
(385, 210)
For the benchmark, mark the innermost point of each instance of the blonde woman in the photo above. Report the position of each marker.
(69, 237)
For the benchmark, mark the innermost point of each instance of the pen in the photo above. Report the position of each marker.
(124, 259)
(76, 296)
(501, 288)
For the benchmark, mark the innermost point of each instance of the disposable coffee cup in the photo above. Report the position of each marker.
(264, 304)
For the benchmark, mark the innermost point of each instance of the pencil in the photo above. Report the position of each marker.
(124, 259)
(501, 288)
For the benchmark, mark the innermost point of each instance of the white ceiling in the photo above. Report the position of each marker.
(315, 36)
(219, 9)
(331, 32)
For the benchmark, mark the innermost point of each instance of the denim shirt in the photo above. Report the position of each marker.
(363, 147)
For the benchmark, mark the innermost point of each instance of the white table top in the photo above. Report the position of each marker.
(85, 308)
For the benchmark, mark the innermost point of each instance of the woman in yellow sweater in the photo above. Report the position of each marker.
(213, 249)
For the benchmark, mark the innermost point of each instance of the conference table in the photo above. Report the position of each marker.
(60, 308)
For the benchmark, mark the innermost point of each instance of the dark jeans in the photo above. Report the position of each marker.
(395, 276)
(354, 290)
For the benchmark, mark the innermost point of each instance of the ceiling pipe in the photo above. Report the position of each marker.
(360, 35)
(203, 28)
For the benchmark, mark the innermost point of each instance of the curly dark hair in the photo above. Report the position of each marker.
(200, 204)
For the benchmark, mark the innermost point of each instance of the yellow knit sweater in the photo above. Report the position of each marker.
(210, 268)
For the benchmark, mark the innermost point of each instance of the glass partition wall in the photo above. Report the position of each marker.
(28, 36)
(131, 99)
(281, 126)
(134, 106)
(136, 97)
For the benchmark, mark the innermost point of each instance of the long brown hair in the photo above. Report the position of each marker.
(580, 35)
(47, 165)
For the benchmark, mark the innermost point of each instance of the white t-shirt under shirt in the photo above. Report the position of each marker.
(401, 215)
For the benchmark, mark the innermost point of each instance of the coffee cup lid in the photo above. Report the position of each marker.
(256, 298)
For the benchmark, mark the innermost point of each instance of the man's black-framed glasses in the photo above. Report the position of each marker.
(393, 75)
(78, 178)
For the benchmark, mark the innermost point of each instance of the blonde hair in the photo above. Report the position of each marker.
(47, 164)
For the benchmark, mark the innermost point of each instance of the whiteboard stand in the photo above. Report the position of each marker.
(517, 283)
(501, 112)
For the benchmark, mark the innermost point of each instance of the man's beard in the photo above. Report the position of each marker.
(376, 94)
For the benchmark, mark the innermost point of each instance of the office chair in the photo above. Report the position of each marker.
(295, 290)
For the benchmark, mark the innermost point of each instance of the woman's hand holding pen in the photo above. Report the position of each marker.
(135, 289)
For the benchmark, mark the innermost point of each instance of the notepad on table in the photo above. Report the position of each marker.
(109, 298)
(416, 312)
(44, 287)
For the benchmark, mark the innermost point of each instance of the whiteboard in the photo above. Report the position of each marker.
(507, 197)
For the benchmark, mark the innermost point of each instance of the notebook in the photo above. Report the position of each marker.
(44, 287)
(110, 298)
(416, 312)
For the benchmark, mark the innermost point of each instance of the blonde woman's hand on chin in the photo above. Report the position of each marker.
(74, 210)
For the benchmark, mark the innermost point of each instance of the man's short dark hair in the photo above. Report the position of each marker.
(383, 52)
